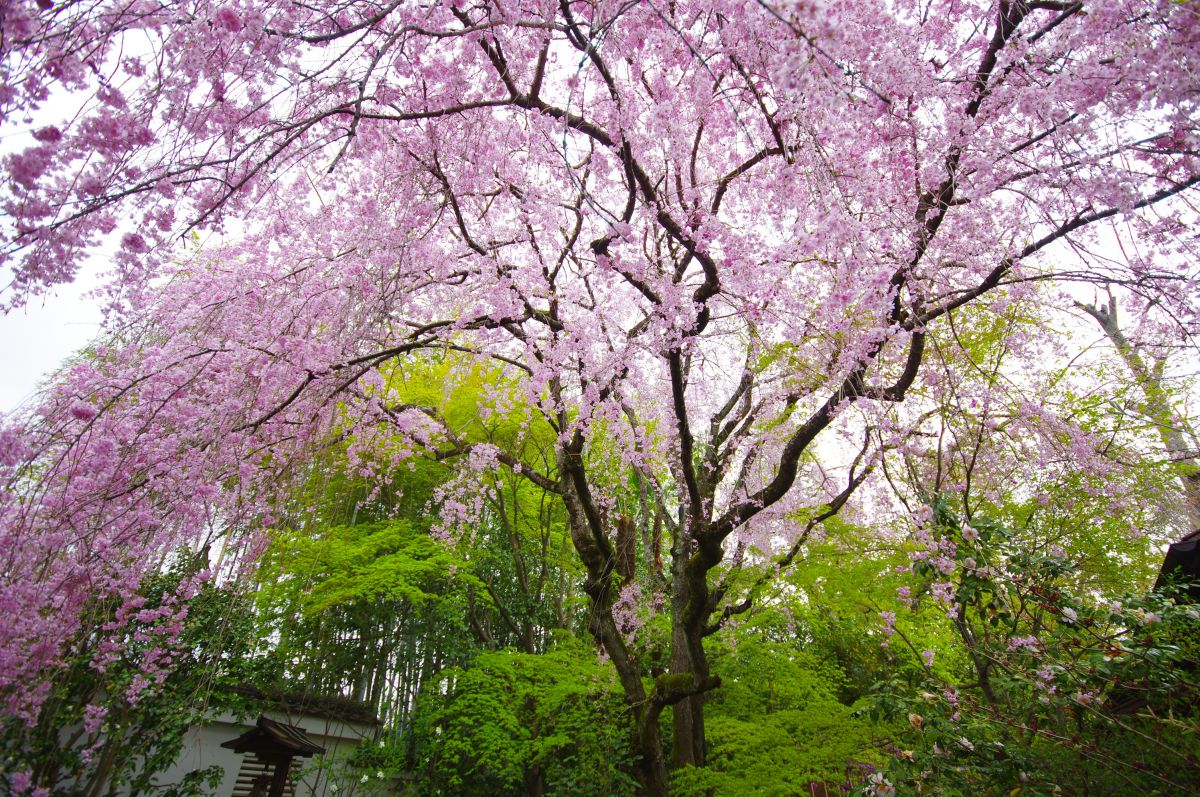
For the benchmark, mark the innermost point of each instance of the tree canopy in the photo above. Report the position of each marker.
(711, 272)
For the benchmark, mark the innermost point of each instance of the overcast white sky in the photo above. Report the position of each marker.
(36, 339)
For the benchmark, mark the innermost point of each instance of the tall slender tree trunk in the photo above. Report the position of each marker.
(1179, 439)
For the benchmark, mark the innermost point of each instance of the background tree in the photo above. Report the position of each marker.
(698, 240)
(368, 599)
(1178, 437)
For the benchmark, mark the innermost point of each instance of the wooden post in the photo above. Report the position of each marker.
(279, 779)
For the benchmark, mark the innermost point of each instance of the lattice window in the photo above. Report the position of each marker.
(254, 768)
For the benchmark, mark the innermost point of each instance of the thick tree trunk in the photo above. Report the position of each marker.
(687, 717)
(688, 714)
(696, 552)
(534, 782)
(690, 605)
(653, 769)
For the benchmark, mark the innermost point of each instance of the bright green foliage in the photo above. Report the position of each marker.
(764, 669)
(369, 597)
(509, 719)
(781, 754)
(775, 726)
(476, 404)
(381, 561)
(516, 539)
(350, 603)
(837, 618)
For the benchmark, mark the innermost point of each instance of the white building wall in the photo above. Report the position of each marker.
(202, 749)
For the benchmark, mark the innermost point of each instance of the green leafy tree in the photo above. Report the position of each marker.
(514, 723)
(777, 728)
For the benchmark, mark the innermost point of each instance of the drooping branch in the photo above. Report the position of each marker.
(1081, 220)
